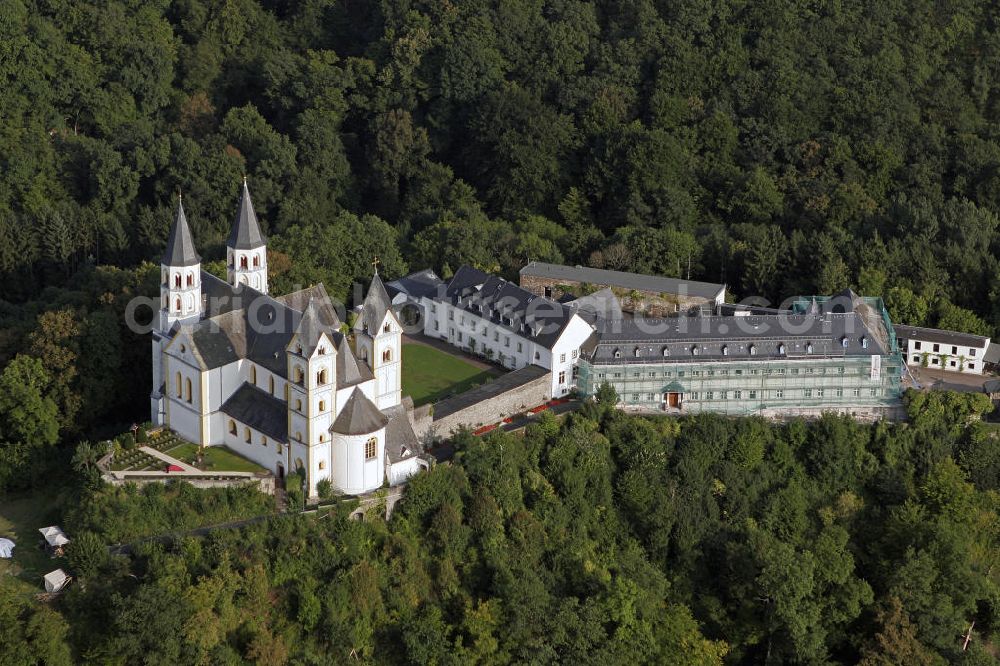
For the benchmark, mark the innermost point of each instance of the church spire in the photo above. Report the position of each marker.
(246, 231)
(180, 245)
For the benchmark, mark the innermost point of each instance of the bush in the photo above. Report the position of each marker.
(140, 436)
(86, 554)
(324, 489)
(127, 441)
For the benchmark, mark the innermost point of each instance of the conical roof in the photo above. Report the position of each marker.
(359, 416)
(180, 245)
(376, 304)
(246, 231)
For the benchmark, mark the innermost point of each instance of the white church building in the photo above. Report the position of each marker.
(276, 378)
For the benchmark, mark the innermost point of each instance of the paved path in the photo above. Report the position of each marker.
(168, 459)
(928, 377)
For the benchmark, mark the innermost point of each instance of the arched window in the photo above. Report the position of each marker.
(177, 279)
(178, 385)
(386, 328)
(322, 405)
(246, 435)
(387, 356)
(270, 385)
(232, 427)
(256, 261)
(243, 261)
(322, 437)
(177, 304)
(187, 389)
(371, 447)
(253, 374)
(298, 464)
(299, 376)
(321, 377)
(263, 440)
(298, 436)
(190, 279)
(322, 464)
(298, 404)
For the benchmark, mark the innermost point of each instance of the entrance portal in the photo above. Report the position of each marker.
(281, 471)
(673, 399)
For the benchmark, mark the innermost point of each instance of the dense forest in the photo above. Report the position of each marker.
(784, 148)
(604, 539)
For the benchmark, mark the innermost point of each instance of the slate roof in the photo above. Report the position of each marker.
(259, 410)
(246, 231)
(601, 304)
(180, 245)
(508, 305)
(244, 323)
(422, 284)
(623, 280)
(683, 339)
(373, 311)
(992, 354)
(350, 371)
(400, 441)
(359, 416)
(940, 336)
(311, 329)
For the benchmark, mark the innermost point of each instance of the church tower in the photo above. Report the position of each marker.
(378, 339)
(246, 250)
(180, 276)
(180, 299)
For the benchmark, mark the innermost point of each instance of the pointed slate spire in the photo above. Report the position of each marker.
(310, 328)
(246, 231)
(180, 246)
(376, 304)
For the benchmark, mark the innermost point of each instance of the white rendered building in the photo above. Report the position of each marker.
(274, 378)
(943, 350)
(486, 314)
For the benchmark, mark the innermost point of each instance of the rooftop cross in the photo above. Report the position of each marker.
(375, 263)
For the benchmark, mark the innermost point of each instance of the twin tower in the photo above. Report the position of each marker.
(180, 269)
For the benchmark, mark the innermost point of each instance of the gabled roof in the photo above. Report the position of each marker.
(622, 280)
(246, 231)
(359, 416)
(401, 442)
(416, 285)
(941, 336)
(377, 304)
(180, 245)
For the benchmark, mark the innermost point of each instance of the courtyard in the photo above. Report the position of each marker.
(431, 374)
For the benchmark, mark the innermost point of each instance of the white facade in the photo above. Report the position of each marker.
(943, 350)
(202, 384)
(512, 350)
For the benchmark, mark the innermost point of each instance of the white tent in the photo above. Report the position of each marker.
(54, 536)
(6, 548)
(55, 580)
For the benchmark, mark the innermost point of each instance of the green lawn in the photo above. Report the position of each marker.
(21, 516)
(217, 458)
(430, 375)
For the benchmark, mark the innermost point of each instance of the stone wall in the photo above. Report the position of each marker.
(494, 408)
(653, 304)
(264, 482)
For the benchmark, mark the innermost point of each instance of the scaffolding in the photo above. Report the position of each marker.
(750, 387)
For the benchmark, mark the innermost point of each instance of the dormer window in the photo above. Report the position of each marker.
(753, 350)
(618, 353)
(666, 352)
(809, 348)
(695, 350)
(864, 342)
(781, 349)
(725, 350)
(638, 352)
(843, 342)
